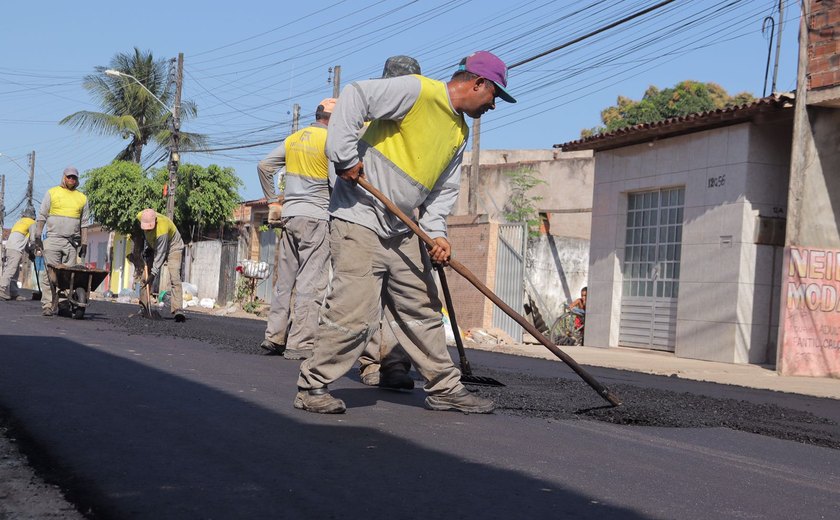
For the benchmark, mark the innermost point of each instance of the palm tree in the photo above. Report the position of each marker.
(129, 110)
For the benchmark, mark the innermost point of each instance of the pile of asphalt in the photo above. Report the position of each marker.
(548, 398)
(562, 399)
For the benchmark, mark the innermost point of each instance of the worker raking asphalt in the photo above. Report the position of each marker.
(657, 401)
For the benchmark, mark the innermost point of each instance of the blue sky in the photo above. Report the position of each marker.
(247, 63)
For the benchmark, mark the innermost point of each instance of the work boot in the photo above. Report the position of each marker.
(271, 348)
(371, 379)
(297, 353)
(463, 401)
(46, 311)
(396, 380)
(318, 400)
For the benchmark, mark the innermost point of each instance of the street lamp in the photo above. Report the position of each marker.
(174, 156)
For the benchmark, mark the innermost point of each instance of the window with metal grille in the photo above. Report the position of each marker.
(652, 243)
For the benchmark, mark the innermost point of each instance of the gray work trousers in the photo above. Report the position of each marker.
(367, 271)
(176, 290)
(9, 276)
(302, 268)
(57, 250)
(383, 352)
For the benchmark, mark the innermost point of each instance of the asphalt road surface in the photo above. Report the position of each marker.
(141, 419)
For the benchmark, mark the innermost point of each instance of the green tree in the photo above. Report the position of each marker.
(521, 207)
(129, 110)
(686, 97)
(204, 198)
(117, 192)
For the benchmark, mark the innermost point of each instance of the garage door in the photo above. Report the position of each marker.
(651, 269)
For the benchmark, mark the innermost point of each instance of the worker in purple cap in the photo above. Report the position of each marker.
(64, 214)
(411, 152)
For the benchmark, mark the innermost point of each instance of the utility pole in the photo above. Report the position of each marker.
(336, 81)
(778, 44)
(295, 117)
(31, 179)
(2, 202)
(472, 199)
(174, 156)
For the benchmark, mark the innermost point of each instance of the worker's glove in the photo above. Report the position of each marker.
(39, 246)
(83, 251)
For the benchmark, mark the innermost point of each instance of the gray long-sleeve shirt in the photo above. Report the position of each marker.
(393, 99)
(61, 226)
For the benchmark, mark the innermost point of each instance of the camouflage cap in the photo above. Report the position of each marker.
(400, 66)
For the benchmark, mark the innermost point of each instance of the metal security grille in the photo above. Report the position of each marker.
(268, 241)
(651, 269)
(510, 276)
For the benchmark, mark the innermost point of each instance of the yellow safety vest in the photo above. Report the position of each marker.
(426, 140)
(305, 153)
(22, 226)
(66, 203)
(163, 226)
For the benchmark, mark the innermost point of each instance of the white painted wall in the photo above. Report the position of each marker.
(204, 271)
(725, 311)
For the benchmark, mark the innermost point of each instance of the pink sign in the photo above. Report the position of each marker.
(811, 328)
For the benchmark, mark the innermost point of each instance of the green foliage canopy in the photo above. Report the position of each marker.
(686, 97)
(204, 198)
(117, 192)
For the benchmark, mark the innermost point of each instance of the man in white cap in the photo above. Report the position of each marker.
(304, 249)
(64, 213)
(21, 237)
(164, 246)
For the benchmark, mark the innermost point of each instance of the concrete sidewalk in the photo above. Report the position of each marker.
(667, 364)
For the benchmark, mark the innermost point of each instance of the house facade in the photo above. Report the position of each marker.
(688, 233)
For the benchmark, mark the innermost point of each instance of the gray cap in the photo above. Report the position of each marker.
(400, 66)
(71, 171)
(28, 213)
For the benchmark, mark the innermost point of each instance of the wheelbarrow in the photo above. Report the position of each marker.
(72, 286)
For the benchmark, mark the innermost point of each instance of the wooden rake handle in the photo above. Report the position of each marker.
(602, 390)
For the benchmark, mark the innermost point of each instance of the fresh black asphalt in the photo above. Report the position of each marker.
(141, 419)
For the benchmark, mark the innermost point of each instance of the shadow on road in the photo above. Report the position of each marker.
(130, 441)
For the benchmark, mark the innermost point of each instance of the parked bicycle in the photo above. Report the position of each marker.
(568, 328)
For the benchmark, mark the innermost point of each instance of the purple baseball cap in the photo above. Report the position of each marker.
(488, 66)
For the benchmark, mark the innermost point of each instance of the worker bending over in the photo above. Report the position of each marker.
(163, 246)
(21, 238)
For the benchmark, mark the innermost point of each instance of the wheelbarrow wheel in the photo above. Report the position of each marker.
(80, 295)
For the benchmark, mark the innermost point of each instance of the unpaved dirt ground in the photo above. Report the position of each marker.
(24, 495)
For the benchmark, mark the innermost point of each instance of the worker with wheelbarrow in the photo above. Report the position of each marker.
(164, 245)
(64, 214)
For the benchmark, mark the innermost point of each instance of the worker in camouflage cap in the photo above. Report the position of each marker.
(396, 66)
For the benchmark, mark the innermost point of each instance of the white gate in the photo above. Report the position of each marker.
(510, 276)
(651, 269)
